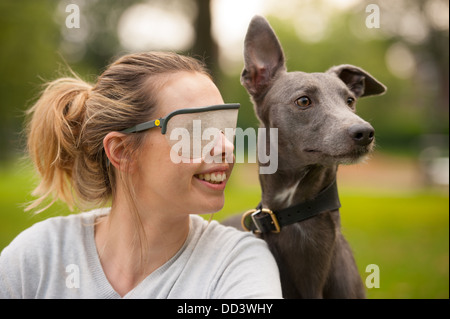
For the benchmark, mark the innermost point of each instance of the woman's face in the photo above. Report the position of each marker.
(182, 187)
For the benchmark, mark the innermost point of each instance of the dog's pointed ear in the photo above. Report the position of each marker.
(359, 81)
(263, 57)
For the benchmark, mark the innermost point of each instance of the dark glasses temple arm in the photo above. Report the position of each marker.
(143, 126)
(161, 122)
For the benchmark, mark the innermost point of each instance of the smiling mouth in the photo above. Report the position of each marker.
(213, 178)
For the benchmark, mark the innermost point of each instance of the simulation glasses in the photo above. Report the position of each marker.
(193, 132)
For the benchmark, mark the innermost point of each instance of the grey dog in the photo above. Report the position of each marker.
(317, 130)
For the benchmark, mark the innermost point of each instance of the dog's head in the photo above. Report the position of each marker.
(314, 112)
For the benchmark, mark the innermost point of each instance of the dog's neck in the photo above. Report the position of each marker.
(285, 188)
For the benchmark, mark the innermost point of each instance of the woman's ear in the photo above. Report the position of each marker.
(114, 145)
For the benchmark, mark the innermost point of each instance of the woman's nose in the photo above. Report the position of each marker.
(223, 148)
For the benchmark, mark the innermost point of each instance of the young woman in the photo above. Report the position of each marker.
(131, 142)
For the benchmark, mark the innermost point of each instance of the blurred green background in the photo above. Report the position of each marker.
(395, 206)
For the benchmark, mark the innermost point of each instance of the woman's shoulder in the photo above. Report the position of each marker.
(40, 253)
(50, 233)
(231, 256)
(225, 237)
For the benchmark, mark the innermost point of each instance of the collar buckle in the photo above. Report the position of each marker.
(260, 221)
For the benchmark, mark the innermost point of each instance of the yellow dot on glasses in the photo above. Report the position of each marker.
(157, 122)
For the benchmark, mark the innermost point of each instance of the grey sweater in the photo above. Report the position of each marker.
(57, 258)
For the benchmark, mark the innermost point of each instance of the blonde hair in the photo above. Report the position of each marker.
(68, 123)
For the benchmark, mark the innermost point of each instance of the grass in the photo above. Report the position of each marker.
(406, 236)
(405, 233)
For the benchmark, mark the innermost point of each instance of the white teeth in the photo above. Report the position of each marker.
(214, 178)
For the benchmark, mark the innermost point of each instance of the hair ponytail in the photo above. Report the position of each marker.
(53, 138)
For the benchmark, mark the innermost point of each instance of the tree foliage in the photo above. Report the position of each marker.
(37, 46)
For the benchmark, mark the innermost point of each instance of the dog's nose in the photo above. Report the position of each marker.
(362, 134)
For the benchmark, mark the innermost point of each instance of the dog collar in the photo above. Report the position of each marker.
(263, 220)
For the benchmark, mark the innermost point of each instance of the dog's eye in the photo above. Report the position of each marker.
(350, 101)
(303, 102)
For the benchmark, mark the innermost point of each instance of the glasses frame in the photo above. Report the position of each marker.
(162, 122)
